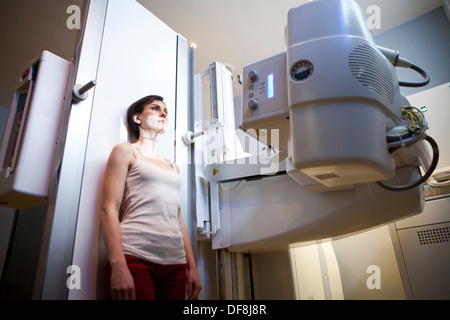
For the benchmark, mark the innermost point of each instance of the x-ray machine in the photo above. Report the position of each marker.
(327, 145)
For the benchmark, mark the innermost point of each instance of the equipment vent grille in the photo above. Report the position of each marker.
(431, 236)
(372, 71)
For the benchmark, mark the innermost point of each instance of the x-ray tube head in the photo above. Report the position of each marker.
(341, 92)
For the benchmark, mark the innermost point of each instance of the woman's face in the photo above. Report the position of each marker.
(153, 117)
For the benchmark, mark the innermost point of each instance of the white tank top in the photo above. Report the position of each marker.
(150, 226)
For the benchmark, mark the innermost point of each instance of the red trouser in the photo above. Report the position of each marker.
(154, 281)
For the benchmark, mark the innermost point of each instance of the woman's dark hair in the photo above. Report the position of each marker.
(137, 108)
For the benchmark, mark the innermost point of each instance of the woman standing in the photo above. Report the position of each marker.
(150, 255)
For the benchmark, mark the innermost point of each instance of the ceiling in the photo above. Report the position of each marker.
(27, 28)
(234, 32)
(237, 32)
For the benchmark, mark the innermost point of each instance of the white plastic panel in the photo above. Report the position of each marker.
(202, 106)
(29, 140)
(276, 211)
(425, 250)
(213, 105)
(65, 192)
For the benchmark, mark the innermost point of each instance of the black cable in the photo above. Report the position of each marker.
(430, 170)
(422, 72)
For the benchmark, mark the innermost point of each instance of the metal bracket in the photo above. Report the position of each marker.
(80, 92)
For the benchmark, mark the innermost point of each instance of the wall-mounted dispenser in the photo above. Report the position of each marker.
(29, 138)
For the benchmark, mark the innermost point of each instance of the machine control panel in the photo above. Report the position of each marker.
(264, 98)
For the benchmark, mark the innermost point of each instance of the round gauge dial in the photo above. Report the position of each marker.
(301, 70)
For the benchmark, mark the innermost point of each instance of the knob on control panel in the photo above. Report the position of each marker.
(253, 75)
(253, 104)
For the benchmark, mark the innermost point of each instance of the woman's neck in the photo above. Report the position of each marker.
(148, 144)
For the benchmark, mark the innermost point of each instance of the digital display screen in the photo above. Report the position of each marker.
(270, 86)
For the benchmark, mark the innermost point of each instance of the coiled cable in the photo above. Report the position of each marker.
(422, 179)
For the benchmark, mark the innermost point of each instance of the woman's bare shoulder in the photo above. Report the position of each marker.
(122, 152)
(124, 148)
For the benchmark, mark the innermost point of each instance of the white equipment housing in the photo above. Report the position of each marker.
(339, 108)
(29, 140)
(330, 99)
(341, 91)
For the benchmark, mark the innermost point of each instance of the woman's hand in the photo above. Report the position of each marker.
(194, 285)
(122, 285)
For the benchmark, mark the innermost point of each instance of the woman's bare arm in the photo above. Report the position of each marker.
(194, 284)
(122, 284)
